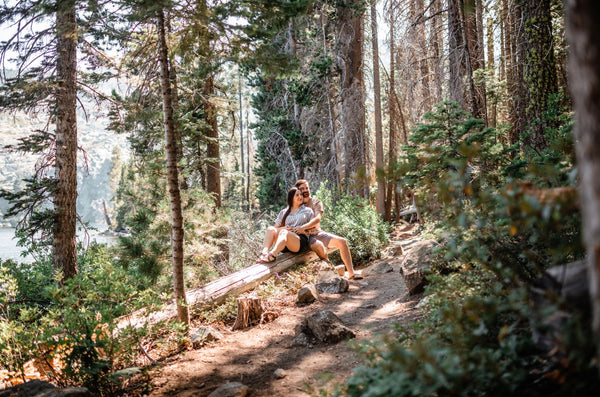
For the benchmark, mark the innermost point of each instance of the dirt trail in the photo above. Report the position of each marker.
(370, 307)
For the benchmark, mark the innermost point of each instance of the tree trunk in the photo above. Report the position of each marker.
(213, 160)
(422, 54)
(213, 155)
(172, 174)
(456, 60)
(584, 80)
(539, 73)
(333, 145)
(378, 130)
(514, 72)
(392, 146)
(491, 102)
(174, 88)
(350, 52)
(436, 41)
(65, 196)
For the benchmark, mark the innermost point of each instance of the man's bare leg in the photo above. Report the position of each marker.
(320, 249)
(341, 244)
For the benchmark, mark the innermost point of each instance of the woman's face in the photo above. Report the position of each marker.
(298, 198)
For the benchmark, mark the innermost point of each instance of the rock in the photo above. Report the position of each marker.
(126, 373)
(301, 340)
(326, 327)
(280, 373)
(369, 306)
(379, 268)
(416, 264)
(393, 250)
(204, 335)
(333, 285)
(231, 389)
(307, 294)
(567, 286)
(40, 388)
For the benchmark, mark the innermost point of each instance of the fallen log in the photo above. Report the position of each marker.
(217, 291)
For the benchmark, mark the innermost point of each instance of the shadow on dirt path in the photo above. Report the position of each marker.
(370, 307)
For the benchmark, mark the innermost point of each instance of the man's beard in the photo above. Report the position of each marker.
(306, 194)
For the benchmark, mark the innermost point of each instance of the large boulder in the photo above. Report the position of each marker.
(416, 264)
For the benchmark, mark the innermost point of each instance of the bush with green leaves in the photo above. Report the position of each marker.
(78, 325)
(355, 220)
(502, 219)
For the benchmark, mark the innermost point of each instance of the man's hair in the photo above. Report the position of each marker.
(300, 182)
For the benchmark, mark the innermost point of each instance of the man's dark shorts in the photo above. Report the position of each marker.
(322, 236)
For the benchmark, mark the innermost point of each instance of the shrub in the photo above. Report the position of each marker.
(357, 221)
(503, 219)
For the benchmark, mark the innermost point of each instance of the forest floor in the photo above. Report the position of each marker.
(251, 356)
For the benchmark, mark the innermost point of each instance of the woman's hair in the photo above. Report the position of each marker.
(290, 201)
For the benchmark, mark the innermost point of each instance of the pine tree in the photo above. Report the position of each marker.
(46, 59)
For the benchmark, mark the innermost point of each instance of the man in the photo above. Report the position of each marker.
(318, 239)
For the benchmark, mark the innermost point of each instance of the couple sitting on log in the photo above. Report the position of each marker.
(297, 229)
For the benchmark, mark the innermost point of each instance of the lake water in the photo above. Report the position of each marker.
(10, 250)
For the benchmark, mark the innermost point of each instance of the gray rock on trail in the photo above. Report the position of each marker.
(279, 373)
(325, 327)
(307, 294)
(416, 264)
(40, 388)
(203, 336)
(332, 285)
(378, 268)
(231, 389)
(301, 340)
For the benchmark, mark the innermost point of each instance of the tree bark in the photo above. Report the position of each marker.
(64, 244)
(213, 161)
(379, 165)
(514, 71)
(539, 74)
(333, 145)
(249, 312)
(584, 80)
(350, 52)
(436, 42)
(456, 60)
(172, 174)
(392, 146)
(491, 102)
(422, 54)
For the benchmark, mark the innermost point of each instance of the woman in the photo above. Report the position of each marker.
(295, 214)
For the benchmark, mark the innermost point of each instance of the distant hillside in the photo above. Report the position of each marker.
(93, 185)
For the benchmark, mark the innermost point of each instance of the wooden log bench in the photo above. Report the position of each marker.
(217, 291)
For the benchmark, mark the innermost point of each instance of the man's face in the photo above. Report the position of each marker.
(305, 191)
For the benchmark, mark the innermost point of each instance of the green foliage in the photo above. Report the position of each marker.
(468, 345)
(357, 221)
(18, 328)
(76, 326)
(80, 326)
(502, 221)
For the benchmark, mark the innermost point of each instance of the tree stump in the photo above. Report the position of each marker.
(249, 312)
